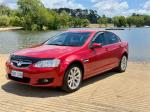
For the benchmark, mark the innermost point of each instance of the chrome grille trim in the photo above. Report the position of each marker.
(21, 63)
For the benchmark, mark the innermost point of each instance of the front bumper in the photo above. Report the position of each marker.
(37, 76)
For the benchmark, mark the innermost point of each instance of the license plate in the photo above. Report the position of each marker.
(17, 74)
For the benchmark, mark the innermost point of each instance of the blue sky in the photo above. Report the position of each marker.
(107, 7)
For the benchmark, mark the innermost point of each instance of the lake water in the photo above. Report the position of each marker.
(138, 38)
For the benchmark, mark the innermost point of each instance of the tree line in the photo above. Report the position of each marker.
(135, 20)
(32, 15)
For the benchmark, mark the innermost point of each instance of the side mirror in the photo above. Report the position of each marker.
(96, 45)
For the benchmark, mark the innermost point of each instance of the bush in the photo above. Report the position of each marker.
(35, 27)
(119, 21)
(85, 22)
(15, 21)
(54, 21)
(4, 21)
(76, 22)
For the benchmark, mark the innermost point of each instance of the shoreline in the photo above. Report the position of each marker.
(110, 28)
(10, 28)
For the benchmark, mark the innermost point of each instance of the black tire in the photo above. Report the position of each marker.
(120, 68)
(65, 86)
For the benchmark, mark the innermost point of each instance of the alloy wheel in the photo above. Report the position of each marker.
(74, 78)
(124, 63)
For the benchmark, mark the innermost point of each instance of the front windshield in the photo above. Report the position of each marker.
(69, 39)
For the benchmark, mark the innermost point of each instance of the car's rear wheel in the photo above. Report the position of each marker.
(72, 78)
(123, 64)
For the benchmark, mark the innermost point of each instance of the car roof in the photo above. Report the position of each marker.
(83, 30)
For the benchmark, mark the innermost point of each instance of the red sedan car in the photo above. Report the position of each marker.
(65, 60)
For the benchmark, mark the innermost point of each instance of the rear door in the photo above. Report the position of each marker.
(113, 48)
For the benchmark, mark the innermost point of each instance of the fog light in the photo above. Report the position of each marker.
(45, 80)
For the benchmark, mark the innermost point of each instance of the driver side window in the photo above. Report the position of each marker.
(100, 39)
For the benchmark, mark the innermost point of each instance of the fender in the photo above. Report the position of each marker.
(69, 60)
(125, 48)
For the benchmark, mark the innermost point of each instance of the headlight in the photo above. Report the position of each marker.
(47, 63)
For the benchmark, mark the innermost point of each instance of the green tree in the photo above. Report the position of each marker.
(54, 21)
(64, 19)
(147, 20)
(85, 22)
(115, 21)
(29, 6)
(77, 22)
(129, 21)
(119, 21)
(15, 21)
(4, 21)
(34, 13)
(103, 21)
(138, 21)
(5, 11)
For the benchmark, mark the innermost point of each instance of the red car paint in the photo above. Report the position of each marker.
(94, 61)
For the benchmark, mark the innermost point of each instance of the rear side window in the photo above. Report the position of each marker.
(100, 39)
(111, 38)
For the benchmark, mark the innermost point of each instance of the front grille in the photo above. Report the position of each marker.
(21, 63)
(23, 80)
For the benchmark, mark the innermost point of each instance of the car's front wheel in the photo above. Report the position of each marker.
(72, 78)
(123, 64)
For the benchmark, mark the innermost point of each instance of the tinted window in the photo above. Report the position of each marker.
(100, 39)
(111, 38)
(69, 39)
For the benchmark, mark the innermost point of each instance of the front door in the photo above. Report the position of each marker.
(100, 60)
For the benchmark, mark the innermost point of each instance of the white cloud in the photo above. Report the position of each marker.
(62, 4)
(118, 7)
(144, 10)
(1, 1)
(110, 7)
(49, 3)
(11, 3)
(147, 5)
(107, 7)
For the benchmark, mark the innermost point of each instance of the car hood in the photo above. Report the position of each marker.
(47, 51)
